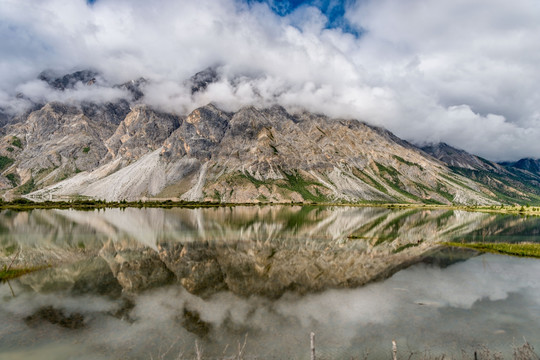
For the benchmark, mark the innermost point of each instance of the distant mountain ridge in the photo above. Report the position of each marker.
(128, 150)
(528, 164)
(511, 183)
(460, 158)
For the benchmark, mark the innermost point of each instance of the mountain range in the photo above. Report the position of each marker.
(127, 150)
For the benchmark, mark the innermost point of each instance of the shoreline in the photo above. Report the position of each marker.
(23, 204)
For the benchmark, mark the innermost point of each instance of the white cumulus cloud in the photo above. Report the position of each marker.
(429, 70)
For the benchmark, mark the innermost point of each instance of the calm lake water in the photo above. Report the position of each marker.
(156, 283)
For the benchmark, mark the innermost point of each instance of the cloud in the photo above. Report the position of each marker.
(40, 91)
(461, 72)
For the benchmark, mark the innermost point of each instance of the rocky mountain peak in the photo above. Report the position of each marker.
(69, 81)
(134, 87)
(143, 129)
(209, 122)
(201, 80)
(248, 122)
(198, 136)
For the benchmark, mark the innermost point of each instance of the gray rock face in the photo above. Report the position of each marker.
(143, 130)
(54, 143)
(198, 136)
(109, 115)
(253, 155)
(59, 141)
(310, 157)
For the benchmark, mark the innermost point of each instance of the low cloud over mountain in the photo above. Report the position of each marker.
(460, 72)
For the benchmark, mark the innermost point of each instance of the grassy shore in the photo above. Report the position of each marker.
(24, 204)
(520, 249)
(90, 204)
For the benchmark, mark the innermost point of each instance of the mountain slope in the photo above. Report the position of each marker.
(261, 155)
(124, 149)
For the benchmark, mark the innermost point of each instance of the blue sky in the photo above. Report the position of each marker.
(334, 10)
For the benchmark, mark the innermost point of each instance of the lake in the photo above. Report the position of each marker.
(255, 281)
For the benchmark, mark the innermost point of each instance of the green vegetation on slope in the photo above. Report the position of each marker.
(406, 246)
(27, 187)
(504, 185)
(15, 141)
(5, 162)
(295, 182)
(394, 181)
(402, 160)
(369, 180)
(248, 176)
(12, 179)
(441, 190)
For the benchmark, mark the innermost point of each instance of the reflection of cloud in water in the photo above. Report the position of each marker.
(460, 285)
(387, 309)
(469, 303)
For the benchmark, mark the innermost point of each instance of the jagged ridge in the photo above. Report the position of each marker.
(127, 150)
(265, 155)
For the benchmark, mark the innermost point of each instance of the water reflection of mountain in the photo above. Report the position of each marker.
(69, 228)
(112, 267)
(505, 228)
(248, 250)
